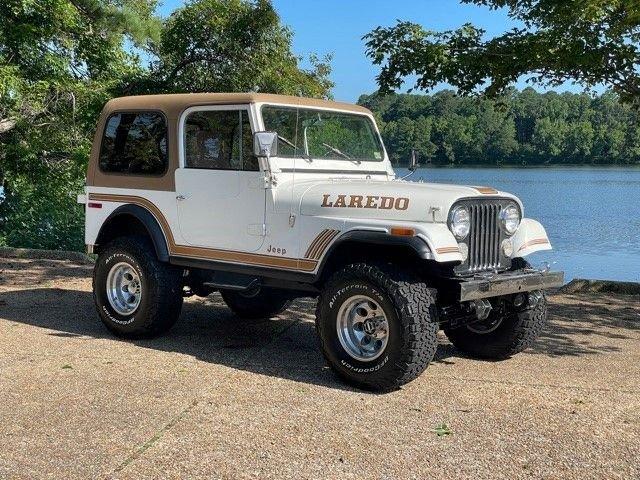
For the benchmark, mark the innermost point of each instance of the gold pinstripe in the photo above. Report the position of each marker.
(325, 243)
(315, 242)
(231, 256)
(535, 241)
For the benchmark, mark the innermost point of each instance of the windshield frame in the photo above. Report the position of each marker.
(338, 158)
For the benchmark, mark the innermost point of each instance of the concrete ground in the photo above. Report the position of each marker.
(224, 398)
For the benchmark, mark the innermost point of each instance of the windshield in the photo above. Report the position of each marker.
(322, 134)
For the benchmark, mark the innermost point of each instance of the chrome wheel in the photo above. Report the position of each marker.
(124, 290)
(363, 329)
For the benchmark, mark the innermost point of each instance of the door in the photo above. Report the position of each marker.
(220, 190)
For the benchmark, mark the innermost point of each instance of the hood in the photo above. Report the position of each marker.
(392, 200)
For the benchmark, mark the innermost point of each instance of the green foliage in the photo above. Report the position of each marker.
(519, 128)
(442, 430)
(233, 46)
(591, 42)
(61, 60)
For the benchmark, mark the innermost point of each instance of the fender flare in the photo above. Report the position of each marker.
(529, 238)
(418, 245)
(150, 224)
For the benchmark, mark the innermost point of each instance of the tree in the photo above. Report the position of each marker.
(407, 134)
(519, 128)
(60, 60)
(591, 42)
(233, 46)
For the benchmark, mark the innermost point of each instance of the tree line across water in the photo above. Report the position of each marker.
(524, 128)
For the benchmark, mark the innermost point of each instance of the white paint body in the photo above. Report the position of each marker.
(278, 211)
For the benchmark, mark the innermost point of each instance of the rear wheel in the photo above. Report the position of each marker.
(377, 325)
(135, 294)
(260, 303)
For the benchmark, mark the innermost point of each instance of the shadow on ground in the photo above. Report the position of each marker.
(286, 347)
(582, 324)
(207, 330)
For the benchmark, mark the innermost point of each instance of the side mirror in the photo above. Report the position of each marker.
(413, 166)
(265, 144)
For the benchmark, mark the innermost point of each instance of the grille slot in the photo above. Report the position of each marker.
(484, 238)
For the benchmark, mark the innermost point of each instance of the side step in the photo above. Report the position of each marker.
(232, 281)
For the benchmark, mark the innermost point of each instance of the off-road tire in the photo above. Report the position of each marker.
(409, 305)
(161, 289)
(266, 303)
(517, 332)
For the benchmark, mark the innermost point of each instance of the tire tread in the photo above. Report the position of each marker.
(414, 302)
(518, 332)
(164, 288)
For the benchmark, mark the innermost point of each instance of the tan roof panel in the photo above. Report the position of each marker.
(175, 103)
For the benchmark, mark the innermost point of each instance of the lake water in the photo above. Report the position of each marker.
(592, 215)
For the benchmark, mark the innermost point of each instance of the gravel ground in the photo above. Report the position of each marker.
(224, 398)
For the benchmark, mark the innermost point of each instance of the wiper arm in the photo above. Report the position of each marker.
(336, 151)
(288, 142)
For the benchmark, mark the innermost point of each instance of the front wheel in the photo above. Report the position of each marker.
(135, 294)
(377, 325)
(504, 333)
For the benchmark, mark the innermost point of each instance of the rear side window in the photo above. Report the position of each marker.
(135, 143)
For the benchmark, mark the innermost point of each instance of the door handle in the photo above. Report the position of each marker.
(180, 198)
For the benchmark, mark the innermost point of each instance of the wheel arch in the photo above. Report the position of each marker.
(133, 220)
(358, 245)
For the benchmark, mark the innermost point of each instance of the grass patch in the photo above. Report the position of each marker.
(442, 430)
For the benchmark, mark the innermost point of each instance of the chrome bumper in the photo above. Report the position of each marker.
(508, 283)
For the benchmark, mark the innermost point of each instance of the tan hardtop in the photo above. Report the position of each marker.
(176, 103)
(172, 105)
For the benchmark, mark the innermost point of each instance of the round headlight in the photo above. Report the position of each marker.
(510, 219)
(460, 222)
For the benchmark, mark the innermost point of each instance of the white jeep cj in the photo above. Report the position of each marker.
(266, 198)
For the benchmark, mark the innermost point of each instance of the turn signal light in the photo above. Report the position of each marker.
(403, 232)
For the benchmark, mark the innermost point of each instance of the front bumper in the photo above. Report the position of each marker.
(507, 283)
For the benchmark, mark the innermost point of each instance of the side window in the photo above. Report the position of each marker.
(135, 143)
(218, 139)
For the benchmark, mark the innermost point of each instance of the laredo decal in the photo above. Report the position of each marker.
(361, 201)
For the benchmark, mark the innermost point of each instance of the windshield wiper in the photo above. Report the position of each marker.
(288, 142)
(336, 151)
(295, 149)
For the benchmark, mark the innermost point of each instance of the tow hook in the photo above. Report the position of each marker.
(527, 300)
(482, 308)
(534, 298)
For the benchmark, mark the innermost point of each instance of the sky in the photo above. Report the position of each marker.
(336, 27)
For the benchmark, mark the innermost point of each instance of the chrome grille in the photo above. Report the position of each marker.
(484, 238)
